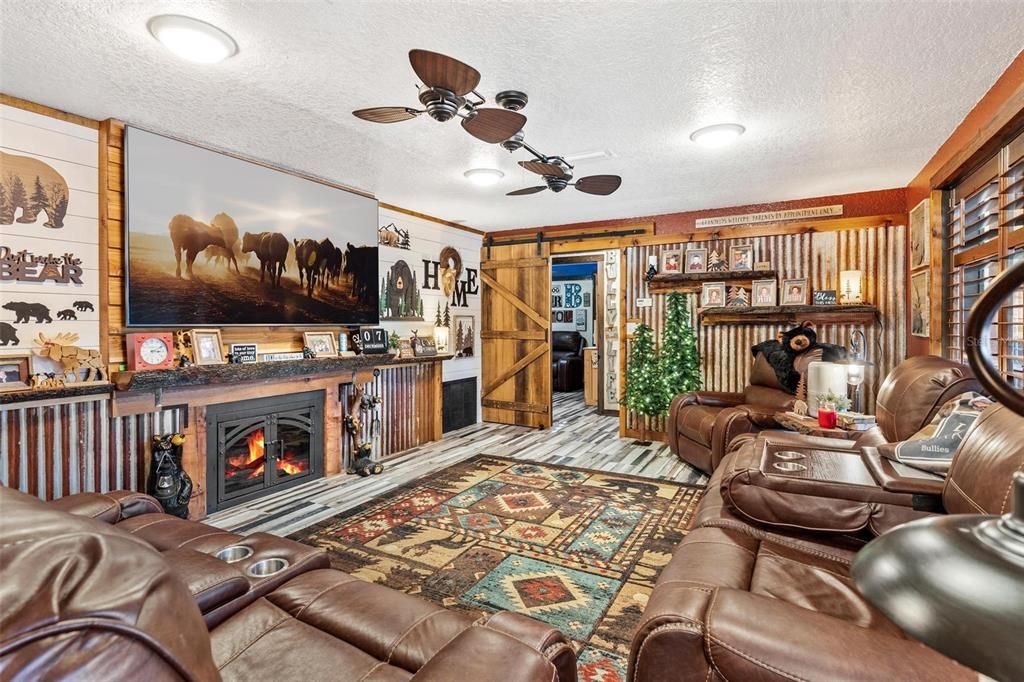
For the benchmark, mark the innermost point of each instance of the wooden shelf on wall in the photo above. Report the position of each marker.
(693, 281)
(792, 314)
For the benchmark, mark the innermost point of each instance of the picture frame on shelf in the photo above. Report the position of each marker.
(794, 291)
(919, 235)
(741, 258)
(696, 260)
(464, 335)
(207, 347)
(712, 295)
(920, 309)
(321, 343)
(766, 294)
(15, 373)
(671, 262)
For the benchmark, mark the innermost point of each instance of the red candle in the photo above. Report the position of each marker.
(827, 417)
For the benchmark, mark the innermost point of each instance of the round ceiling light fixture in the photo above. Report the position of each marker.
(717, 135)
(484, 176)
(192, 39)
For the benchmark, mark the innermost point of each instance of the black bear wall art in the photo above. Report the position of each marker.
(216, 240)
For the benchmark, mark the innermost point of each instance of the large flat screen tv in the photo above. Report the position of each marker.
(213, 240)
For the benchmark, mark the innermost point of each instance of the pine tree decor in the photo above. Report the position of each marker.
(680, 360)
(645, 390)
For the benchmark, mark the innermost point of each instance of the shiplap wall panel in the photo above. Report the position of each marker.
(819, 256)
(54, 450)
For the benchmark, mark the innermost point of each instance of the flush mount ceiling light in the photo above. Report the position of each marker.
(484, 176)
(717, 135)
(192, 39)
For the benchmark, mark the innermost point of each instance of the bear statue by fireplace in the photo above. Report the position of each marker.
(167, 481)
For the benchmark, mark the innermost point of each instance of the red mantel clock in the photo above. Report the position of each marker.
(150, 350)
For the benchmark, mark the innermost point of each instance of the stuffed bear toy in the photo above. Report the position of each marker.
(784, 354)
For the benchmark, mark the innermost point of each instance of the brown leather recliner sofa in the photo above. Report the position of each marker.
(701, 424)
(743, 601)
(567, 361)
(108, 587)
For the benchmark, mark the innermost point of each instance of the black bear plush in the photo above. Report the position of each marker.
(782, 353)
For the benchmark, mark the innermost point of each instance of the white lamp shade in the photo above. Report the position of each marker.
(851, 286)
(824, 377)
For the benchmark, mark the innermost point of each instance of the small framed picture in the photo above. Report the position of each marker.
(794, 291)
(696, 260)
(321, 343)
(765, 293)
(15, 373)
(207, 348)
(712, 295)
(741, 257)
(671, 263)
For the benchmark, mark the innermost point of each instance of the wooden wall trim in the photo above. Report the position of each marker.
(19, 103)
(424, 216)
(566, 233)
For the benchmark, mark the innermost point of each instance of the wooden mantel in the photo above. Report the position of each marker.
(791, 314)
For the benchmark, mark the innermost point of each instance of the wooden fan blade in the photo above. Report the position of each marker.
(386, 114)
(440, 71)
(528, 190)
(494, 125)
(599, 184)
(541, 168)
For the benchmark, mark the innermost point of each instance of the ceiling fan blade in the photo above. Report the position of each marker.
(528, 190)
(598, 184)
(541, 168)
(494, 125)
(386, 114)
(440, 71)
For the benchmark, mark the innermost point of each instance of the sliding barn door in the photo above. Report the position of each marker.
(516, 319)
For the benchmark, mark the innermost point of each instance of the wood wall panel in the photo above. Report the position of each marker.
(819, 256)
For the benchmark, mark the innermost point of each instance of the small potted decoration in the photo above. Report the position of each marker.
(394, 340)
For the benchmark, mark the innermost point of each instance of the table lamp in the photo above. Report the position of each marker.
(851, 286)
(856, 366)
(956, 582)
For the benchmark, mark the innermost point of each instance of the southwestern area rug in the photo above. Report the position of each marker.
(575, 548)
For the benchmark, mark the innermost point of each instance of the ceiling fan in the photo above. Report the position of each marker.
(557, 174)
(447, 84)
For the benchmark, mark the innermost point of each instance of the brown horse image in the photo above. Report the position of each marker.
(229, 231)
(192, 237)
(272, 249)
(308, 259)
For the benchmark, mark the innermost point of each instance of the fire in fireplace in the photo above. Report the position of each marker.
(261, 445)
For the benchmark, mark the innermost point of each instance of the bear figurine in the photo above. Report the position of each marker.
(789, 355)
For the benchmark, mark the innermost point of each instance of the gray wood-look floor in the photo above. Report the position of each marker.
(580, 437)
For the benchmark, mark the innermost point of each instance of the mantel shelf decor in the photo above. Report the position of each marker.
(63, 393)
(692, 282)
(207, 375)
(792, 314)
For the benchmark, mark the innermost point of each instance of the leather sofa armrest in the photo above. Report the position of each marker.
(484, 654)
(899, 478)
(539, 636)
(110, 507)
(211, 581)
(709, 398)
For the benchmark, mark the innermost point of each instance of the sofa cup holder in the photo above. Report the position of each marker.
(789, 455)
(789, 466)
(267, 567)
(234, 553)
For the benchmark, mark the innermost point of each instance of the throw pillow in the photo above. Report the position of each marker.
(932, 448)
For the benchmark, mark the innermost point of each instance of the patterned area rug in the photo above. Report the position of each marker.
(575, 548)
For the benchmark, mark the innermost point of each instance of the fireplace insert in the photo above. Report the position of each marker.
(258, 446)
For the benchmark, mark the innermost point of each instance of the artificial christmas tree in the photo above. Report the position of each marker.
(645, 391)
(680, 361)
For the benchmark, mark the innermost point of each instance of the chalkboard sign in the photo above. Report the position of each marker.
(824, 297)
(372, 340)
(422, 347)
(244, 353)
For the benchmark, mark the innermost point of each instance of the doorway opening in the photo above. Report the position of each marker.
(577, 328)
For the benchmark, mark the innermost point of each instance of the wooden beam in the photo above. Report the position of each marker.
(24, 104)
(519, 365)
(509, 296)
(424, 216)
(566, 232)
(516, 335)
(511, 405)
(513, 263)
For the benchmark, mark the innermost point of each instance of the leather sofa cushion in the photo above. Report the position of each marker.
(211, 581)
(696, 422)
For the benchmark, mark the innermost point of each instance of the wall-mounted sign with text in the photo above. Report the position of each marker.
(772, 216)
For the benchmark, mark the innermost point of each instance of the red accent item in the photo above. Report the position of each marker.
(827, 418)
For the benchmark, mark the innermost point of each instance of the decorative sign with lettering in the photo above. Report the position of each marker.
(244, 353)
(424, 347)
(824, 297)
(279, 357)
(372, 341)
(772, 216)
(49, 234)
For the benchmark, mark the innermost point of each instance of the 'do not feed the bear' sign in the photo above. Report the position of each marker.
(49, 233)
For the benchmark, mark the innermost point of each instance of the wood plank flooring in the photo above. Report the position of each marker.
(580, 437)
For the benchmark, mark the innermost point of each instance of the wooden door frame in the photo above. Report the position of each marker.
(599, 258)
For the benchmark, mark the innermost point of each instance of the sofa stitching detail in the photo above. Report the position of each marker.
(371, 671)
(758, 662)
(708, 638)
(1006, 495)
(768, 554)
(317, 597)
(283, 619)
(416, 624)
(662, 628)
(967, 498)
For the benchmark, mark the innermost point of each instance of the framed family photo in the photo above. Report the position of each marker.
(696, 260)
(671, 262)
(765, 293)
(794, 291)
(741, 257)
(321, 343)
(207, 348)
(712, 295)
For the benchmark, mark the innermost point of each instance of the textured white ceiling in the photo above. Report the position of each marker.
(837, 96)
